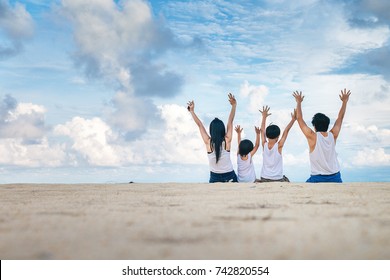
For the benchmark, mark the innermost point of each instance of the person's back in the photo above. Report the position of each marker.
(218, 144)
(272, 163)
(322, 143)
(224, 163)
(272, 169)
(323, 159)
(245, 169)
(246, 150)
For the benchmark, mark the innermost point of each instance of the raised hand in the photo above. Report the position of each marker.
(344, 96)
(191, 106)
(257, 130)
(238, 129)
(294, 115)
(298, 96)
(265, 111)
(232, 99)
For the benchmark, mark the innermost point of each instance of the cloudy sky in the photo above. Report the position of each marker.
(96, 91)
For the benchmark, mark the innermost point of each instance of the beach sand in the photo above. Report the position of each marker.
(195, 221)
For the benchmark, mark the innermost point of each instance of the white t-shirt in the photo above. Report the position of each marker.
(224, 164)
(323, 159)
(245, 169)
(272, 163)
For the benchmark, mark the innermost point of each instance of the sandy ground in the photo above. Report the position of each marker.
(195, 221)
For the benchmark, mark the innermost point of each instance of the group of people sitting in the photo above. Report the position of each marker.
(323, 157)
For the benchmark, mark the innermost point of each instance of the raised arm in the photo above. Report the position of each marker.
(238, 129)
(203, 132)
(344, 96)
(229, 128)
(264, 115)
(257, 144)
(287, 130)
(307, 131)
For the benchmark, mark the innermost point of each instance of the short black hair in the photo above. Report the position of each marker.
(245, 147)
(320, 122)
(272, 131)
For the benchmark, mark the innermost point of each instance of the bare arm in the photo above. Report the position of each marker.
(238, 129)
(229, 132)
(287, 130)
(257, 144)
(307, 131)
(203, 132)
(344, 96)
(264, 115)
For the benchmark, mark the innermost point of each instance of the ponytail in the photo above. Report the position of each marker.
(217, 134)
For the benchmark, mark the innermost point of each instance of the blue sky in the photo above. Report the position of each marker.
(95, 91)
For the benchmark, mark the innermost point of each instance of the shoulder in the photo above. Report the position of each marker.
(312, 136)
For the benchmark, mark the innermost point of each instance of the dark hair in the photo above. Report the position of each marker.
(272, 131)
(320, 122)
(217, 134)
(245, 147)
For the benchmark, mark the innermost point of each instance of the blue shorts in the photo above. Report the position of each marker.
(332, 178)
(223, 177)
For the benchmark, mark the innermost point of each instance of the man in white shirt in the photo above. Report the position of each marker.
(323, 157)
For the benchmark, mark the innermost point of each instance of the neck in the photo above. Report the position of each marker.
(324, 133)
(272, 141)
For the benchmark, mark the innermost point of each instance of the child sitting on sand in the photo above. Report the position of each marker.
(272, 170)
(218, 144)
(246, 150)
(322, 144)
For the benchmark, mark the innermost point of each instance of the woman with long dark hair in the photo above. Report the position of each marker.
(218, 144)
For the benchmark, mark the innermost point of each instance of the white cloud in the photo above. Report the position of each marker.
(16, 21)
(176, 140)
(280, 37)
(21, 120)
(372, 157)
(366, 136)
(120, 43)
(297, 160)
(91, 139)
(23, 136)
(181, 141)
(113, 38)
(107, 34)
(24, 109)
(16, 153)
(131, 114)
(17, 24)
(255, 94)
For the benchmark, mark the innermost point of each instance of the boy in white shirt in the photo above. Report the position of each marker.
(272, 170)
(246, 150)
